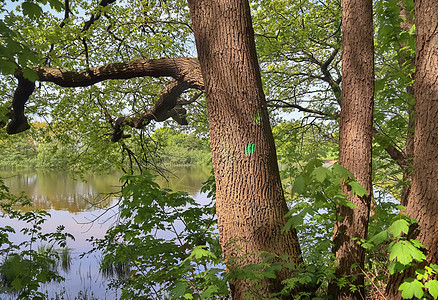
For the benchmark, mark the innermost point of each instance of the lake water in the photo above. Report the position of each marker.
(85, 211)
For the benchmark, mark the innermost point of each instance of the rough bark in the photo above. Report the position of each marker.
(423, 197)
(18, 121)
(185, 71)
(355, 142)
(250, 203)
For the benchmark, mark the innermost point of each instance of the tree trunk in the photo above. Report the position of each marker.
(423, 197)
(355, 142)
(250, 204)
(406, 58)
(395, 280)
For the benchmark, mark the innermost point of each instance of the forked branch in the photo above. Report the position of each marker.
(185, 71)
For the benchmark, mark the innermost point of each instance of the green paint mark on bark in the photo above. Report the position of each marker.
(250, 148)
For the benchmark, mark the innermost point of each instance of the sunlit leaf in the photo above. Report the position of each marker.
(398, 227)
(432, 286)
(405, 252)
(410, 288)
(320, 173)
(357, 189)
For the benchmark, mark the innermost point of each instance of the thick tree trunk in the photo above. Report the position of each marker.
(355, 142)
(250, 202)
(423, 197)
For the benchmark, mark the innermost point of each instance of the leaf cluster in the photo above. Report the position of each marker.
(24, 268)
(167, 242)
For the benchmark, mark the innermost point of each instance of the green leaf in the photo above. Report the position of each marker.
(7, 67)
(404, 252)
(417, 244)
(398, 227)
(357, 189)
(299, 185)
(400, 207)
(288, 225)
(412, 30)
(179, 289)
(42, 277)
(57, 5)
(379, 84)
(379, 238)
(31, 9)
(434, 267)
(410, 288)
(395, 267)
(209, 292)
(432, 286)
(200, 252)
(342, 172)
(269, 274)
(347, 203)
(30, 74)
(16, 284)
(320, 173)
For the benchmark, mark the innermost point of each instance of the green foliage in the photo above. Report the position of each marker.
(23, 268)
(410, 288)
(185, 259)
(322, 186)
(404, 252)
(15, 50)
(294, 41)
(421, 285)
(178, 148)
(394, 69)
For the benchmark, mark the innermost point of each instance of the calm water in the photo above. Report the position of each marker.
(77, 205)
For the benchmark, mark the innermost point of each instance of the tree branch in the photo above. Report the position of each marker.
(96, 16)
(185, 71)
(394, 153)
(285, 104)
(24, 89)
(166, 107)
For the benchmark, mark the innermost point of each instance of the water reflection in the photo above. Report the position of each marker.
(188, 179)
(58, 190)
(73, 203)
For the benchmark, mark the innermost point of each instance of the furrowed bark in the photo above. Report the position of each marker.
(355, 141)
(423, 195)
(184, 69)
(250, 204)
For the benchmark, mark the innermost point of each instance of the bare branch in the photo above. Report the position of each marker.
(285, 104)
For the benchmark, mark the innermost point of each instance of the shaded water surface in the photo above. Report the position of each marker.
(87, 209)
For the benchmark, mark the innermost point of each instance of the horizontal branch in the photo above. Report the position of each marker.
(284, 104)
(184, 69)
